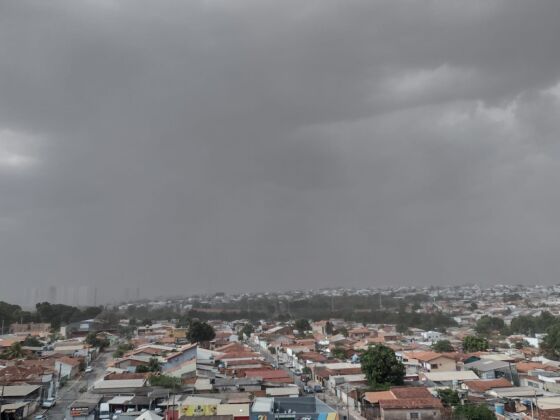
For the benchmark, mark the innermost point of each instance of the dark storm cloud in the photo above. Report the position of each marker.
(215, 145)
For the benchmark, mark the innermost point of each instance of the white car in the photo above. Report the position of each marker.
(48, 403)
(89, 369)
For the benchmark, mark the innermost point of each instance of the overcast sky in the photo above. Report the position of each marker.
(218, 145)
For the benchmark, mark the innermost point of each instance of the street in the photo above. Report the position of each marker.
(332, 400)
(71, 391)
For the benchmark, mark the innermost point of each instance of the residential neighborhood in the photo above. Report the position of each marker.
(330, 368)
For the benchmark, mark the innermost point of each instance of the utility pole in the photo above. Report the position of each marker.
(167, 410)
(347, 403)
(536, 403)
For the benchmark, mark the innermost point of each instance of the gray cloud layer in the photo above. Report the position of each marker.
(188, 146)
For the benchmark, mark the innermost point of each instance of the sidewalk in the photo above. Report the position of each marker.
(341, 407)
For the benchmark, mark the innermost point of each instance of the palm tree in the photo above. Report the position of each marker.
(15, 351)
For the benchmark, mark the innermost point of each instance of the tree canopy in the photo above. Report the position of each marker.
(15, 351)
(153, 366)
(200, 332)
(165, 381)
(381, 367)
(473, 412)
(550, 345)
(474, 344)
(302, 325)
(31, 341)
(489, 325)
(530, 325)
(93, 340)
(448, 397)
(443, 346)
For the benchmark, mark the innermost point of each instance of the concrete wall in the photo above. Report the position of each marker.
(431, 414)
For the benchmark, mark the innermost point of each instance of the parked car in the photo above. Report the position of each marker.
(318, 388)
(308, 389)
(48, 403)
(89, 369)
(41, 417)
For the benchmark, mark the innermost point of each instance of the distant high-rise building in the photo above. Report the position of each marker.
(51, 296)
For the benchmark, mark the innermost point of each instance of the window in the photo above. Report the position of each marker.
(414, 416)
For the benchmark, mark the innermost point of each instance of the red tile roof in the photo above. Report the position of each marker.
(525, 367)
(374, 397)
(232, 347)
(266, 373)
(405, 392)
(426, 356)
(69, 361)
(483, 385)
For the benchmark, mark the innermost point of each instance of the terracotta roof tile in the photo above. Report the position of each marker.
(406, 392)
(483, 385)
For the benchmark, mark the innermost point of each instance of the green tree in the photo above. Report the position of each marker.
(529, 325)
(31, 341)
(489, 325)
(442, 346)
(550, 345)
(402, 328)
(12, 313)
(474, 344)
(15, 351)
(329, 328)
(122, 349)
(523, 325)
(165, 381)
(247, 330)
(448, 397)
(200, 332)
(183, 322)
(93, 340)
(302, 325)
(381, 367)
(153, 366)
(473, 412)
(339, 353)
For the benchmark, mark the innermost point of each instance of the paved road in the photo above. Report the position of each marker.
(71, 391)
(329, 398)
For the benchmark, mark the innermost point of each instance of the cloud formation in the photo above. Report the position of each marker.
(211, 145)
